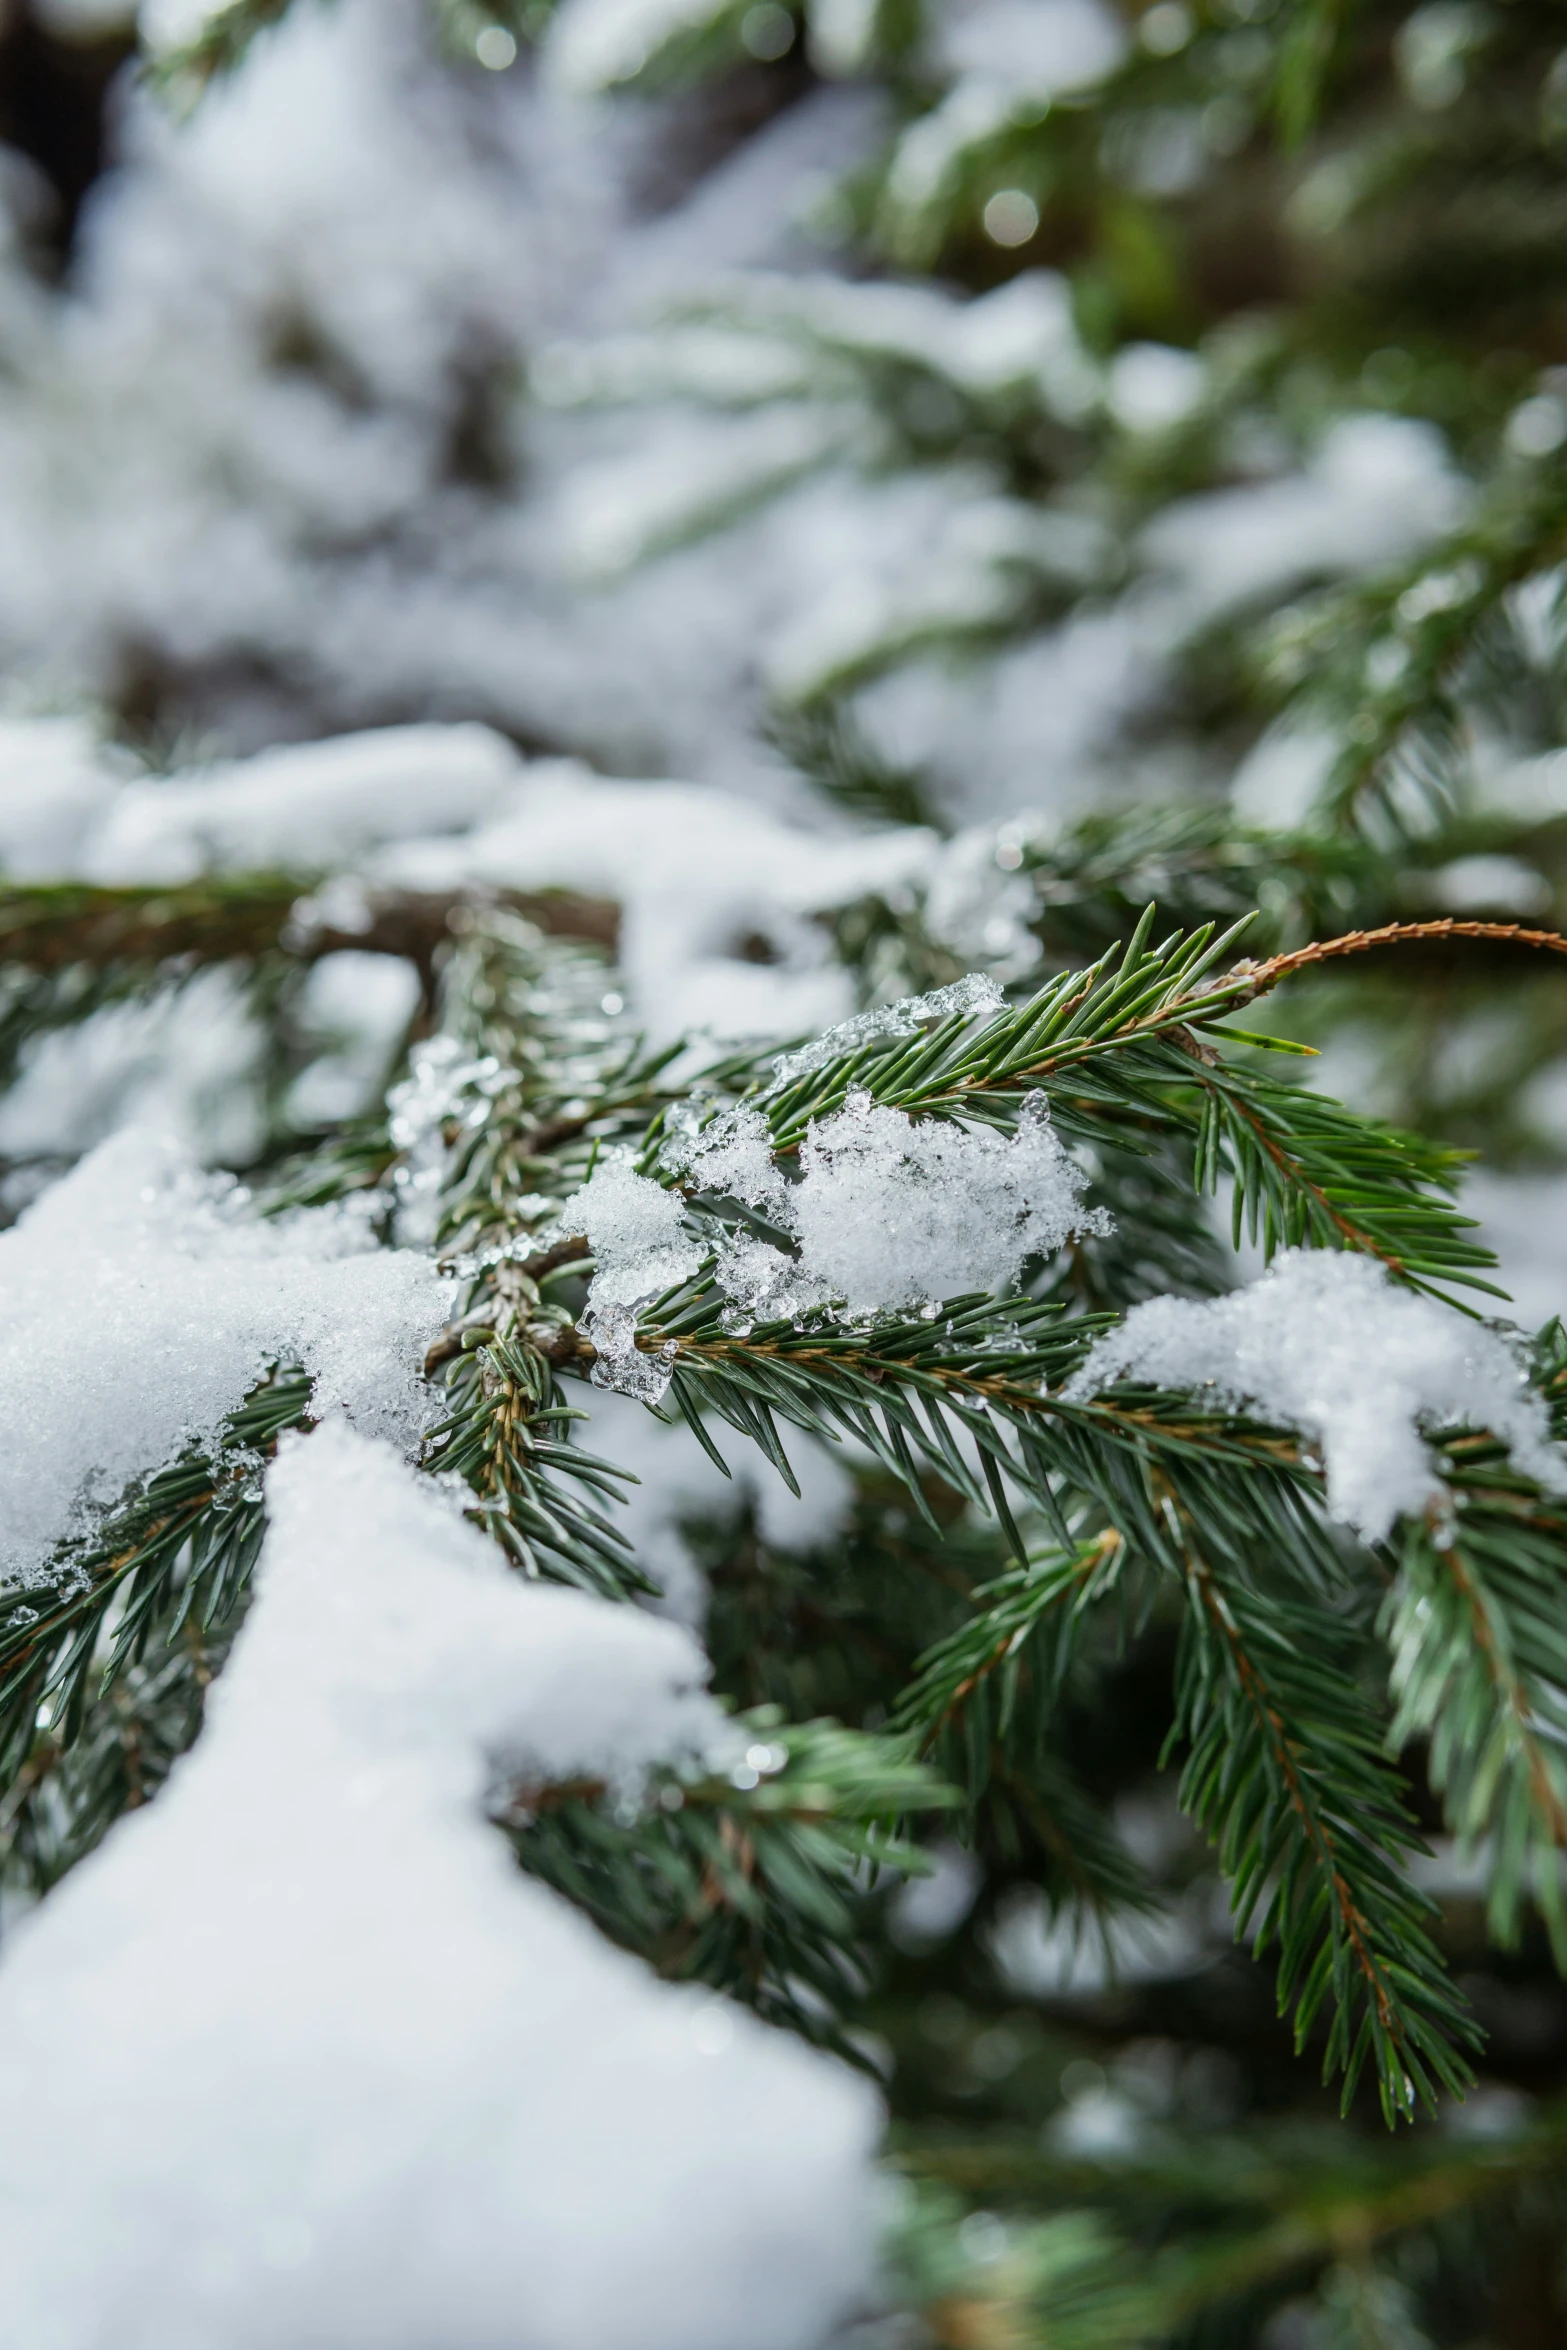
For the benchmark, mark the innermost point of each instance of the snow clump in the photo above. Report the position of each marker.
(144, 1301)
(384, 2091)
(640, 1249)
(1326, 1344)
(889, 1215)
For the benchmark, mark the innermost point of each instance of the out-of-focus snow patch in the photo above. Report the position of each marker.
(1035, 726)
(1278, 782)
(382, 2089)
(1038, 48)
(1375, 488)
(1153, 386)
(186, 1061)
(1048, 1952)
(593, 44)
(926, 1910)
(1006, 59)
(1524, 1218)
(689, 474)
(306, 807)
(57, 782)
(359, 1006)
(1533, 790)
(718, 896)
(1488, 884)
(1099, 2123)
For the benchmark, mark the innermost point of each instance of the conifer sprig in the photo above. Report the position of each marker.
(111, 1653)
(1285, 1772)
(755, 1881)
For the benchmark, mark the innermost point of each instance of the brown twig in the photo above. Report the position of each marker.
(1260, 977)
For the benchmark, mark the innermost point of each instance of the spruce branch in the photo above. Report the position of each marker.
(1285, 1772)
(982, 1706)
(754, 1882)
(504, 1435)
(1196, 2233)
(110, 1653)
(1132, 1048)
(1267, 975)
(967, 1690)
(50, 927)
(1391, 664)
(1474, 1626)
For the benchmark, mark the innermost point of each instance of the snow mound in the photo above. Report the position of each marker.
(318, 2065)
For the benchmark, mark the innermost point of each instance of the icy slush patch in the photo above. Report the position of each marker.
(142, 1302)
(382, 2091)
(1326, 1344)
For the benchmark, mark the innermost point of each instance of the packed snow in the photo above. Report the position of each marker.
(892, 1214)
(466, 2118)
(1327, 1344)
(144, 1300)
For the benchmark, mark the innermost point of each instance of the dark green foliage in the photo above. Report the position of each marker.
(104, 1661)
(757, 1882)
(1285, 1771)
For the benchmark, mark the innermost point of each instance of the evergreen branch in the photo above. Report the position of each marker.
(65, 1798)
(166, 1579)
(1308, 1172)
(505, 1435)
(1066, 2279)
(1285, 1774)
(1092, 879)
(1130, 997)
(983, 1703)
(966, 1690)
(553, 1079)
(1266, 976)
(1128, 1047)
(1267, 2214)
(919, 1393)
(1474, 1625)
(753, 1882)
(1388, 662)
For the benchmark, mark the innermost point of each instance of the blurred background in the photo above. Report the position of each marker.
(959, 469)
